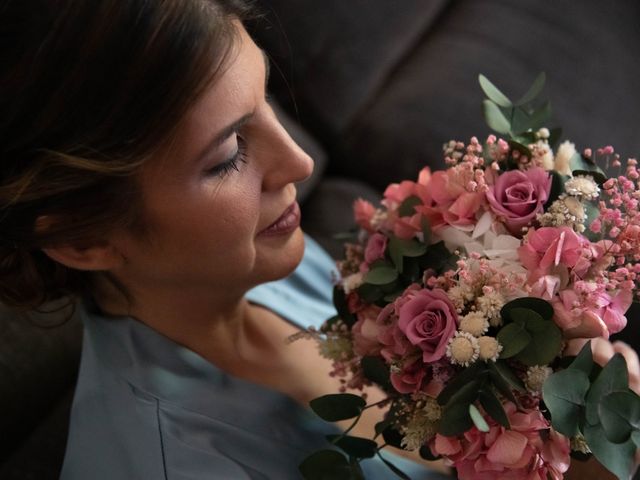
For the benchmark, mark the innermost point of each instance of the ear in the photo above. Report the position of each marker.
(96, 257)
(102, 255)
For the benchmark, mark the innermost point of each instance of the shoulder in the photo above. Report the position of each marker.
(304, 297)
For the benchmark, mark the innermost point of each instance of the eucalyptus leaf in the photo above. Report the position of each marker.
(337, 406)
(619, 414)
(406, 208)
(538, 305)
(460, 380)
(545, 344)
(557, 187)
(340, 302)
(409, 248)
(325, 465)
(615, 457)
(477, 418)
(635, 437)
(354, 446)
(455, 420)
(520, 121)
(426, 231)
(523, 149)
(369, 293)
(375, 369)
(395, 252)
(584, 359)
(381, 275)
(492, 92)
(564, 395)
(598, 176)
(493, 406)
(540, 117)
(613, 378)
(513, 338)
(468, 393)
(392, 437)
(505, 372)
(495, 118)
(534, 90)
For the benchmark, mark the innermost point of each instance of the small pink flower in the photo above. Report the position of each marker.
(518, 196)
(376, 246)
(577, 322)
(364, 212)
(428, 319)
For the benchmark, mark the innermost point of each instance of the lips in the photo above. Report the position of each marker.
(287, 222)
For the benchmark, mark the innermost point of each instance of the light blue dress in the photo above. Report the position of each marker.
(147, 408)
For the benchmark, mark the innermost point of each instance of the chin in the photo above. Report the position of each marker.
(281, 256)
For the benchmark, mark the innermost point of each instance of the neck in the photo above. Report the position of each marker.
(213, 326)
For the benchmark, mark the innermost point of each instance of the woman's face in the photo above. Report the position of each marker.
(205, 215)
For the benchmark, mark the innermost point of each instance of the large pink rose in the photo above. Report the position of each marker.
(428, 319)
(518, 196)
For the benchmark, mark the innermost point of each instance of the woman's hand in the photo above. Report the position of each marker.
(602, 351)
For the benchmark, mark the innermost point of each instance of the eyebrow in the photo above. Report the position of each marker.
(230, 129)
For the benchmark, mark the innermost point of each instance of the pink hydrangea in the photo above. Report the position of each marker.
(550, 247)
(530, 450)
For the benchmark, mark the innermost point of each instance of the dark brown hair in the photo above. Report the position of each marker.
(88, 92)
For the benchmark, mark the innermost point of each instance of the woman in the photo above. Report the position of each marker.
(145, 176)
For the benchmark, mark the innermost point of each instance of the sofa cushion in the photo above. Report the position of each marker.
(588, 50)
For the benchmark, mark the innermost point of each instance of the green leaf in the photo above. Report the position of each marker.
(370, 293)
(619, 414)
(615, 457)
(426, 231)
(325, 465)
(580, 163)
(409, 248)
(392, 437)
(545, 344)
(557, 187)
(493, 406)
(477, 418)
(612, 378)
(406, 208)
(492, 92)
(534, 90)
(540, 117)
(597, 176)
(381, 275)
(468, 393)
(354, 446)
(338, 406)
(495, 118)
(520, 121)
(455, 420)
(392, 296)
(399, 473)
(505, 372)
(340, 302)
(460, 380)
(564, 395)
(584, 360)
(538, 305)
(513, 338)
(376, 370)
(635, 437)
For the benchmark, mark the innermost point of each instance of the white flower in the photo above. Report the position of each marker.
(536, 376)
(490, 305)
(474, 323)
(463, 349)
(353, 281)
(490, 348)
(563, 158)
(582, 186)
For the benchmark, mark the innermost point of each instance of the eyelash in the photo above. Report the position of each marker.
(224, 169)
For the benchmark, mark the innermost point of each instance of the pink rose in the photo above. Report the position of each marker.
(518, 196)
(549, 247)
(428, 319)
(376, 246)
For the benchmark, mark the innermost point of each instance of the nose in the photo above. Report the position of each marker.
(286, 162)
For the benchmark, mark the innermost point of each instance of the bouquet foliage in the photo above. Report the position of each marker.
(458, 292)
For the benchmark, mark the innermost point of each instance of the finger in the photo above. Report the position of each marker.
(633, 365)
(574, 346)
(602, 350)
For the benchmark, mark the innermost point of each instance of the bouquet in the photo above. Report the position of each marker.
(458, 292)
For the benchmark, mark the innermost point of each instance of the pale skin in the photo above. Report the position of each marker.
(188, 279)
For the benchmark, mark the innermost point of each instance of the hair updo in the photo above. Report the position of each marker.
(88, 92)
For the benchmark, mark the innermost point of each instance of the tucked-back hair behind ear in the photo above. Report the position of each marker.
(88, 91)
